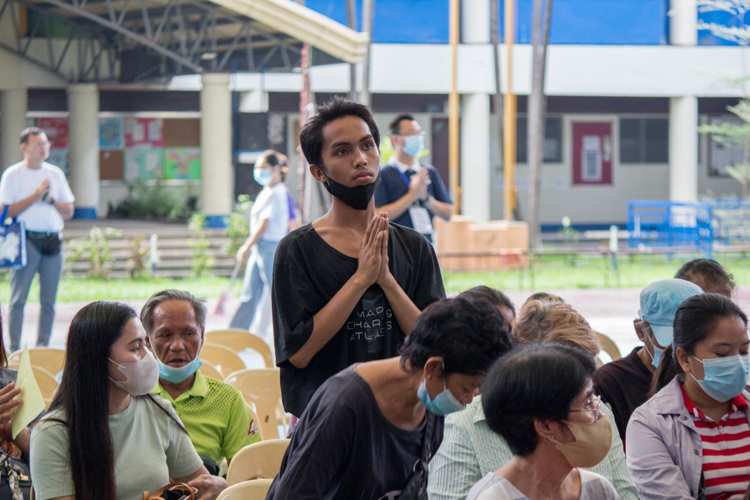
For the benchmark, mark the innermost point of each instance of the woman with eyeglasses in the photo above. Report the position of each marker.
(692, 438)
(540, 399)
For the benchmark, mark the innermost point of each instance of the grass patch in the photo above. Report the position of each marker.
(547, 273)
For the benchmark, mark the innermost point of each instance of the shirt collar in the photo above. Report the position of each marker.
(403, 167)
(198, 390)
(737, 403)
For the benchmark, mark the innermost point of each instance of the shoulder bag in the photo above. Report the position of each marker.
(173, 491)
(416, 485)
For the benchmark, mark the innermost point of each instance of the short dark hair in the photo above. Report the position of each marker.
(147, 313)
(395, 125)
(707, 273)
(311, 135)
(25, 133)
(495, 297)
(468, 334)
(694, 321)
(533, 382)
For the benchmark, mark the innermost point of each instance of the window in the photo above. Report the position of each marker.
(721, 155)
(552, 139)
(644, 140)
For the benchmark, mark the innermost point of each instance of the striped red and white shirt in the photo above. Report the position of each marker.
(726, 449)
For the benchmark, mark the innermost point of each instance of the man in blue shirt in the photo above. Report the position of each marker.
(411, 193)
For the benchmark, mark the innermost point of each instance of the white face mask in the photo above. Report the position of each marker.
(140, 376)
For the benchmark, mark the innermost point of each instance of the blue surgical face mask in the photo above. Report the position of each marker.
(413, 145)
(443, 404)
(263, 176)
(658, 351)
(724, 378)
(177, 375)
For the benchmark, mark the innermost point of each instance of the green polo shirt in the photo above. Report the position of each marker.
(216, 417)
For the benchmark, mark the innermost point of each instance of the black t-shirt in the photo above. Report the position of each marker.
(393, 187)
(624, 384)
(308, 272)
(344, 447)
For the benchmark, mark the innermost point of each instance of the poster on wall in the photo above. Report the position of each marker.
(182, 163)
(111, 133)
(59, 158)
(144, 132)
(56, 130)
(143, 163)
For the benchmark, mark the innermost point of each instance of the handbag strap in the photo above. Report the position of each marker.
(5, 214)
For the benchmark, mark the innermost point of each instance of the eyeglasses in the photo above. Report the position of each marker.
(592, 404)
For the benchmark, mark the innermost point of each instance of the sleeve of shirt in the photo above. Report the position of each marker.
(266, 209)
(49, 461)
(182, 459)
(6, 190)
(291, 293)
(603, 383)
(620, 476)
(454, 469)
(650, 464)
(64, 194)
(316, 454)
(430, 281)
(441, 193)
(383, 195)
(241, 430)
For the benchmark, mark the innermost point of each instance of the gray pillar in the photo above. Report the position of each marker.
(13, 104)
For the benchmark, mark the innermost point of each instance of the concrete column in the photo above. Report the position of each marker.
(683, 23)
(476, 170)
(217, 193)
(475, 21)
(83, 148)
(683, 149)
(13, 105)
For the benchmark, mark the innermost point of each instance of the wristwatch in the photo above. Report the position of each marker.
(51, 200)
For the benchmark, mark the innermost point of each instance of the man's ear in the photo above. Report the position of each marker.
(318, 173)
(638, 325)
(148, 343)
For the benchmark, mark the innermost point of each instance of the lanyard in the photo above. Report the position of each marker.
(403, 175)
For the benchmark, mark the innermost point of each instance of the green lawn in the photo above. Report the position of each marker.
(548, 273)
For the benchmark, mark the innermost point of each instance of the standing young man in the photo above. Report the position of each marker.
(37, 193)
(348, 287)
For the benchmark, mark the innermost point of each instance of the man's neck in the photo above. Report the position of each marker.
(404, 158)
(32, 164)
(395, 391)
(178, 389)
(342, 215)
(646, 359)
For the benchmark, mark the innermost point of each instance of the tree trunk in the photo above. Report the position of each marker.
(351, 11)
(368, 9)
(536, 112)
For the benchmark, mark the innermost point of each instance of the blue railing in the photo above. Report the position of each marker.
(671, 224)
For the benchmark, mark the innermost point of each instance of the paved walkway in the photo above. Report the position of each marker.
(609, 310)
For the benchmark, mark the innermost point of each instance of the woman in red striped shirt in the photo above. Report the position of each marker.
(692, 438)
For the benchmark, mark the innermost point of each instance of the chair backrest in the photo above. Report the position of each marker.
(261, 389)
(239, 340)
(45, 381)
(249, 490)
(222, 358)
(209, 370)
(608, 346)
(49, 358)
(260, 460)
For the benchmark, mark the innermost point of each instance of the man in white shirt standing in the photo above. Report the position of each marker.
(37, 194)
(411, 193)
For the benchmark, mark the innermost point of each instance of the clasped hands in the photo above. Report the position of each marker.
(373, 253)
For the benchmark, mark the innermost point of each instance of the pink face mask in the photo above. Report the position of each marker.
(140, 376)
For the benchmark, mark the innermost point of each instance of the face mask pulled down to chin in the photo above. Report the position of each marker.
(357, 197)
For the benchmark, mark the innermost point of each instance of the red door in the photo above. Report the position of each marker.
(592, 153)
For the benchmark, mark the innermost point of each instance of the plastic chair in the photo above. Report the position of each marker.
(45, 381)
(239, 340)
(222, 358)
(261, 389)
(209, 370)
(249, 490)
(257, 461)
(608, 346)
(49, 358)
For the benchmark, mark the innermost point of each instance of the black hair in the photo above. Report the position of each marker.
(533, 382)
(28, 131)
(694, 321)
(707, 273)
(311, 135)
(495, 297)
(395, 125)
(468, 334)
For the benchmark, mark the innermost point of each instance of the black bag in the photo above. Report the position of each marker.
(15, 478)
(416, 485)
(47, 245)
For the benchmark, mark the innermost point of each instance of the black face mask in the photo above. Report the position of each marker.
(357, 197)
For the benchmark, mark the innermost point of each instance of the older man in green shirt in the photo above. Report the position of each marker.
(215, 414)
